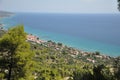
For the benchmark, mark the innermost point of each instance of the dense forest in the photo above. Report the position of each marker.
(21, 59)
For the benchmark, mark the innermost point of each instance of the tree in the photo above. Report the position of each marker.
(97, 73)
(16, 56)
(82, 74)
(117, 68)
(119, 5)
(97, 53)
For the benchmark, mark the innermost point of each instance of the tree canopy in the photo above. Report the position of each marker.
(23, 60)
(119, 5)
(15, 54)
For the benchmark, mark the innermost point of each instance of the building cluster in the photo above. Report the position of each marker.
(34, 38)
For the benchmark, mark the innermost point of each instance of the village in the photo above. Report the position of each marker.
(92, 57)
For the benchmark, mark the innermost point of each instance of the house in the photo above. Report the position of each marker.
(33, 38)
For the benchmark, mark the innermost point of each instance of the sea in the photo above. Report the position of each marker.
(87, 32)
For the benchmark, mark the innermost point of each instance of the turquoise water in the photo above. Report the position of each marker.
(85, 32)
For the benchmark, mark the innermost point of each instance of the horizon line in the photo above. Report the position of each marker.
(62, 12)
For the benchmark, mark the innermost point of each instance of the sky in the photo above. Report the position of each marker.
(60, 6)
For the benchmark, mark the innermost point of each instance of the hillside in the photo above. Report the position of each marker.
(51, 61)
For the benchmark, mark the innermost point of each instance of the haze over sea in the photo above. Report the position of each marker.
(87, 32)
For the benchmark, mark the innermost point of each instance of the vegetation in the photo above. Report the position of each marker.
(15, 55)
(24, 60)
(118, 4)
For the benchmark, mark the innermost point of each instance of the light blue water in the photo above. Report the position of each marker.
(88, 32)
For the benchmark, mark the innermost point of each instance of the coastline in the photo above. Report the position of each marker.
(92, 57)
(79, 43)
(76, 43)
(44, 37)
(5, 14)
(57, 56)
(75, 51)
(72, 41)
(35, 39)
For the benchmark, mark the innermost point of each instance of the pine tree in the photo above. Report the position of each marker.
(16, 56)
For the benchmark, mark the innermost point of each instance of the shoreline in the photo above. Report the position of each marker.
(33, 38)
(40, 40)
(92, 57)
(75, 51)
(78, 45)
(81, 46)
(36, 39)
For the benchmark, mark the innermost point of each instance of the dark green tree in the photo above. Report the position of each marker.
(97, 71)
(119, 5)
(82, 74)
(16, 56)
(117, 68)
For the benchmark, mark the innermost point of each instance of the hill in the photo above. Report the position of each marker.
(51, 61)
(5, 14)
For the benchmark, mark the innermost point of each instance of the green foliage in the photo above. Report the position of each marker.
(16, 54)
(82, 74)
(97, 53)
(97, 72)
(20, 60)
(118, 4)
(117, 67)
(1, 76)
(108, 75)
(59, 44)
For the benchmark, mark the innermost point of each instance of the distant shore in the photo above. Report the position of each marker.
(5, 14)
